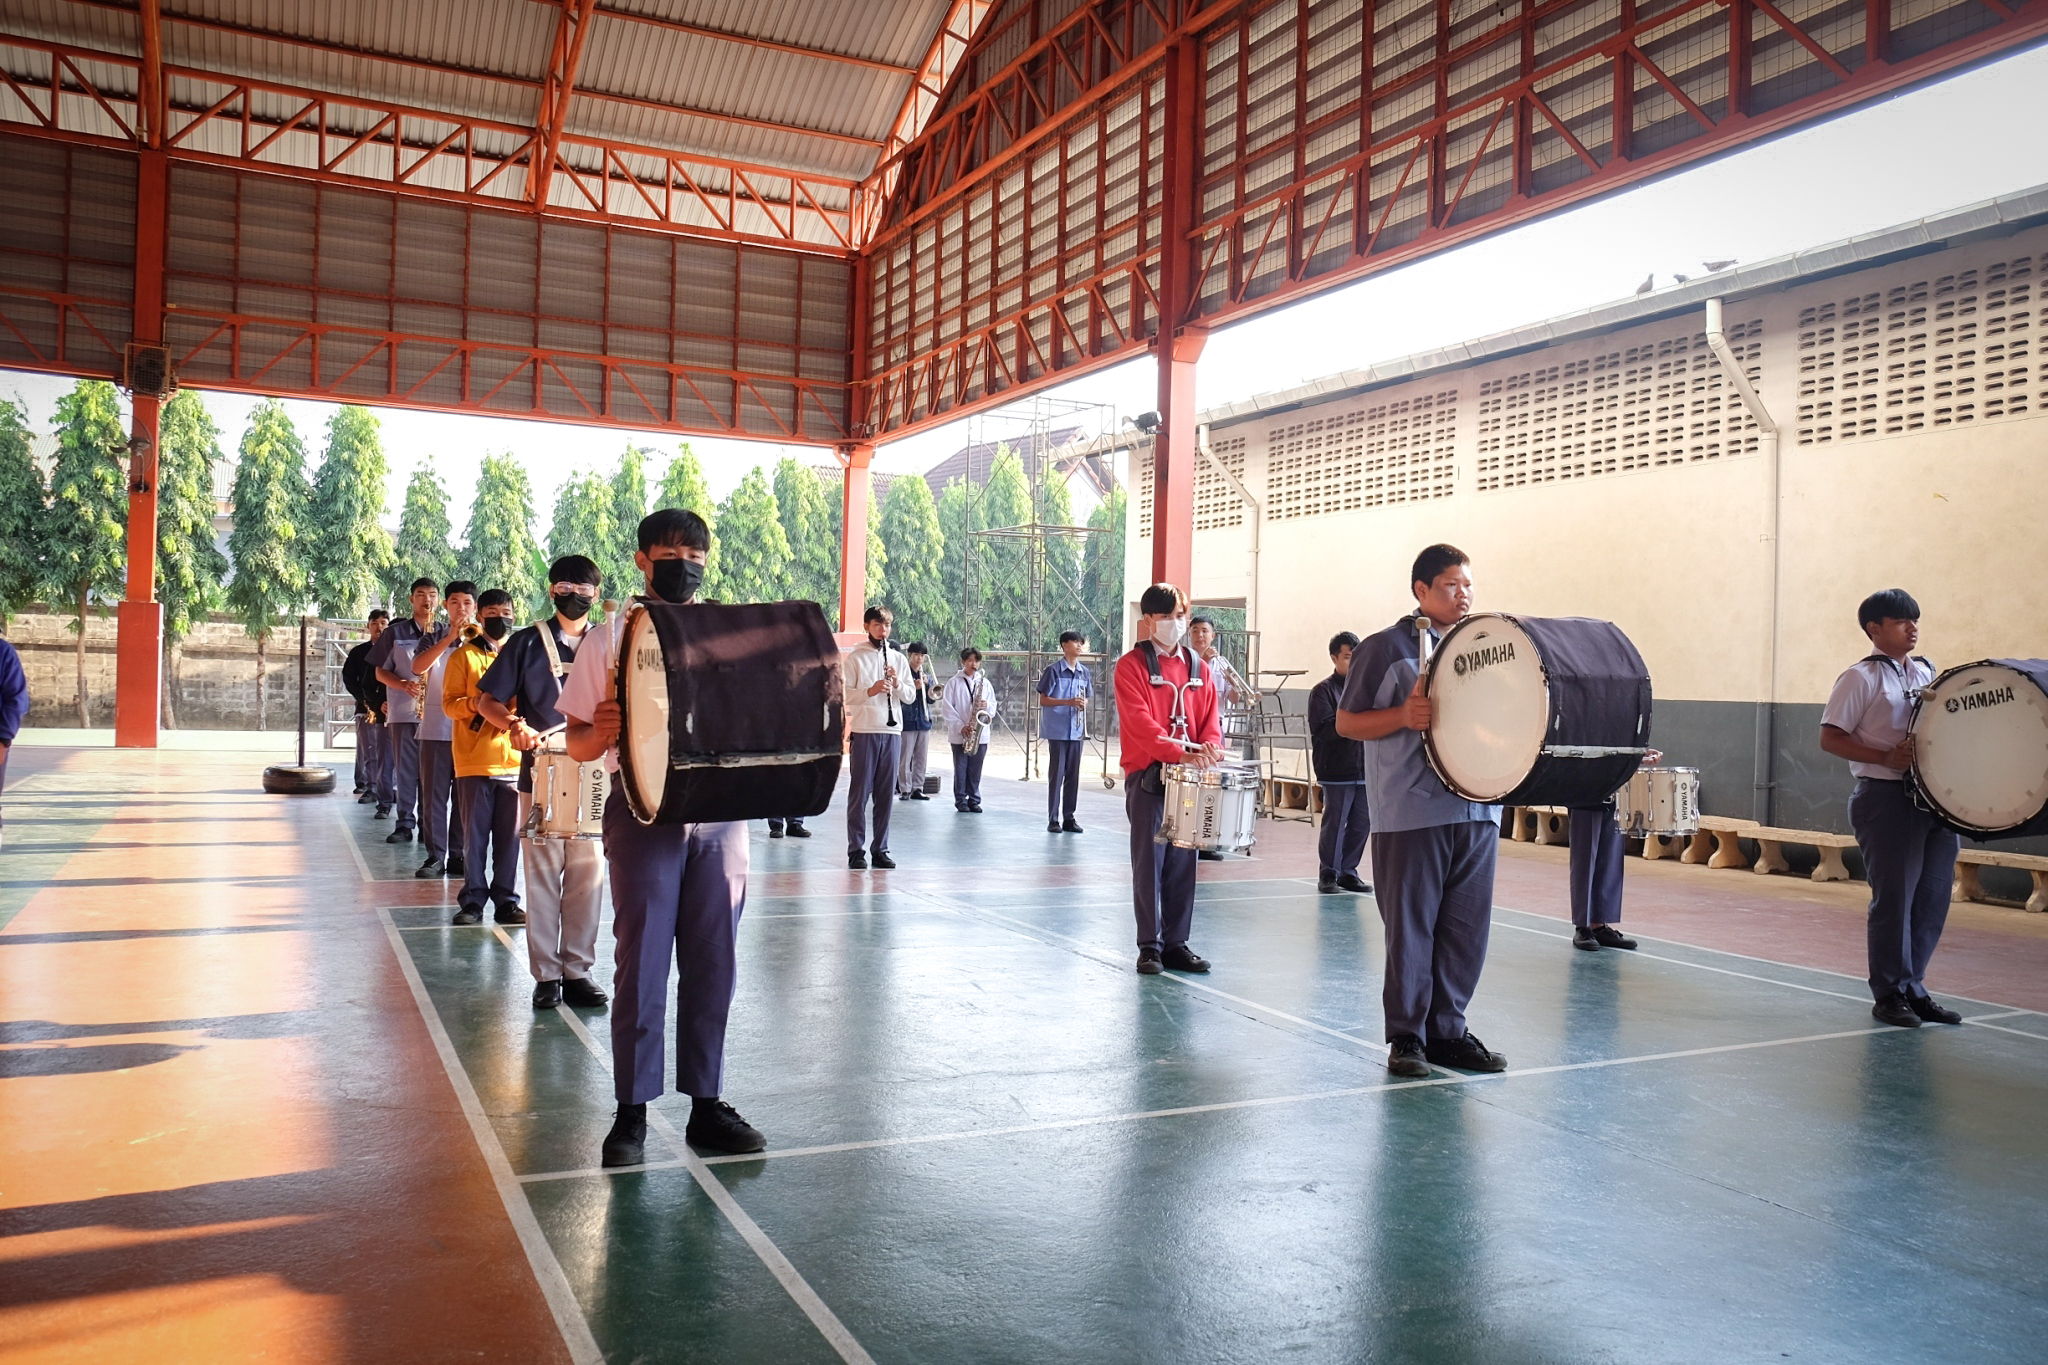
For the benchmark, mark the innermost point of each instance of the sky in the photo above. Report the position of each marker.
(1966, 139)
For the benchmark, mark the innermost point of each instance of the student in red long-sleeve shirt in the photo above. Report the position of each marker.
(1163, 699)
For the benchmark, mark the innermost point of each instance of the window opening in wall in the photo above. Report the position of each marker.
(1394, 450)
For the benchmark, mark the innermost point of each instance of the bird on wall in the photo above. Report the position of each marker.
(1717, 265)
(1649, 283)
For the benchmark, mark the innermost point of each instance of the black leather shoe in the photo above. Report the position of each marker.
(382, 813)
(366, 798)
(1582, 938)
(1149, 963)
(1209, 855)
(1326, 886)
(1611, 937)
(547, 994)
(1924, 1006)
(797, 831)
(1052, 827)
(626, 1143)
(469, 914)
(1182, 958)
(857, 861)
(1070, 827)
(882, 860)
(1464, 1054)
(432, 867)
(398, 836)
(1355, 884)
(1897, 1010)
(718, 1126)
(584, 993)
(510, 914)
(1404, 1057)
(775, 831)
(455, 867)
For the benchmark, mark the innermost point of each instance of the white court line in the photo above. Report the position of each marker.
(554, 1285)
(786, 1274)
(1659, 957)
(348, 836)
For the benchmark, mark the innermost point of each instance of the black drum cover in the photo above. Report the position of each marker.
(755, 720)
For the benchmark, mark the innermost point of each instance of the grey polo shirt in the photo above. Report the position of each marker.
(1403, 791)
(394, 650)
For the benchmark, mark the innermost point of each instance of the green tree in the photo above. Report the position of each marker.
(1102, 569)
(584, 525)
(190, 569)
(959, 518)
(683, 487)
(754, 561)
(1064, 609)
(909, 528)
(348, 553)
(423, 549)
(85, 546)
(629, 505)
(23, 502)
(498, 549)
(267, 544)
(1002, 572)
(878, 553)
(806, 508)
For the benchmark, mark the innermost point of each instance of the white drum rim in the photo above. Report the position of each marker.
(639, 620)
(1434, 752)
(1921, 782)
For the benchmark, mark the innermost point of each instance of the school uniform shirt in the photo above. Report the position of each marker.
(1144, 713)
(13, 693)
(1338, 761)
(590, 683)
(1873, 704)
(1403, 791)
(965, 697)
(1063, 681)
(521, 677)
(360, 678)
(861, 668)
(485, 751)
(918, 714)
(393, 652)
(435, 724)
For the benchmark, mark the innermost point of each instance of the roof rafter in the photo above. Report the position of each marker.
(565, 58)
(747, 40)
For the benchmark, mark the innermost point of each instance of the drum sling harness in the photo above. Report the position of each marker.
(1179, 719)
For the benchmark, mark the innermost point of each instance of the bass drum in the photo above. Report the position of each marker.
(1535, 711)
(1980, 748)
(727, 712)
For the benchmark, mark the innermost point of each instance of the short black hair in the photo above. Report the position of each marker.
(1162, 599)
(1341, 640)
(674, 526)
(494, 597)
(459, 585)
(1073, 637)
(1194, 621)
(877, 613)
(419, 583)
(916, 647)
(1434, 561)
(575, 569)
(969, 653)
(1893, 604)
(378, 614)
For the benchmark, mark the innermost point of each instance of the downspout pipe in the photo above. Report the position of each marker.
(1765, 758)
(1251, 601)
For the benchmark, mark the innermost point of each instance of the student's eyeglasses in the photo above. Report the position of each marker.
(581, 590)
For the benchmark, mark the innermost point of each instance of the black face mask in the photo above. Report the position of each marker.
(573, 605)
(496, 626)
(676, 580)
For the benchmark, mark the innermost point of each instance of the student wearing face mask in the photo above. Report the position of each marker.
(486, 772)
(1166, 714)
(564, 877)
(677, 893)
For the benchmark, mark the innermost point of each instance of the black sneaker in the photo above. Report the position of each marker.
(400, 835)
(1326, 886)
(1209, 855)
(1464, 1054)
(1182, 958)
(1070, 826)
(432, 867)
(797, 831)
(584, 993)
(547, 994)
(1355, 884)
(1924, 1006)
(382, 813)
(1582, 937)
(1052, 827)
(882, 860)
(857, 861)
(775, 831)
(366, 798)
(1897, 1010)
(1405, 1058)
(1149, 963)
(469, 914)
(718, 1126)
(626, 1143)
(1610, 937)
(974, 807)
(455, 866)
(510, 914)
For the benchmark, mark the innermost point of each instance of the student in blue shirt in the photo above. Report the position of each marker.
(1064, 691)
(13, 703)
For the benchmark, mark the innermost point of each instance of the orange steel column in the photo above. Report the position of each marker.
(1178, 344)
(853, 543)
(138, 677)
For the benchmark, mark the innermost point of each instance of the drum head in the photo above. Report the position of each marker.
(1980, 747)
(644, 704)
(1492, 707)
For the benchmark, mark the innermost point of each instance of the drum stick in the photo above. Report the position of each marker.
(1423, 648)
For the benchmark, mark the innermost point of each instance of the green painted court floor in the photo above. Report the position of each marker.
(991, 1141)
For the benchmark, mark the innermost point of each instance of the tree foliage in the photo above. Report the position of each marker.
(424, 549)
(1062, 601)
(629, 506)
(84, 543)
(498, 548)
(878, 553)
(1102, 568)
(909, 528)
(23, 503)
(348, 552)
(584, 525)
(191, 572)
(805, 505)
(1002, 586)
(683, 487)
(754, 558)
(267, 544)
(959, 518)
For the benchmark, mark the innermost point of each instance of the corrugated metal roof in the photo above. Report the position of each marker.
(2007, 213)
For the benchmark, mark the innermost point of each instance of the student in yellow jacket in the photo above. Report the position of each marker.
(486, 772)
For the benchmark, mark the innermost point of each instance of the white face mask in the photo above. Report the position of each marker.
(1168, 631)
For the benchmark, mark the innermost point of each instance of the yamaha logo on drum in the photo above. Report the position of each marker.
(1970, 701)
(1483, 658)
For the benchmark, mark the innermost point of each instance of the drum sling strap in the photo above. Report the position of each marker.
(1154, 782)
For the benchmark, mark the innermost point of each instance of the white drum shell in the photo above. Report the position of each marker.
(1980, 747)
(1210, 809)
(1491, 702)
(568, 797)
(1660, 801)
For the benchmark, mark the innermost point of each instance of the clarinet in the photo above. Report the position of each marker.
(890, 695)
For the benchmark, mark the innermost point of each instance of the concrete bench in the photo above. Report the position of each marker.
(1292, 793)
(1770, 852)
(1969, 887)
(1539, 824)
(1717, 842)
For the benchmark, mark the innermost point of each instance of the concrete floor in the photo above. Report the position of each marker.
(262, 1102)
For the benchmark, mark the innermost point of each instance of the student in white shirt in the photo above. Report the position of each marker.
(876, 685)
(969, 704)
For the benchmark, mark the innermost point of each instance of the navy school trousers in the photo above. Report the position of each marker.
(1435, 892)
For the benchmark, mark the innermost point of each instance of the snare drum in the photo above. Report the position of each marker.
(1980, 748)
(1531, 711)
(1659, 801)
(1210, 809)
(568, 797)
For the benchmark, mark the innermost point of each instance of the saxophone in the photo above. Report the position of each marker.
(972, 744)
